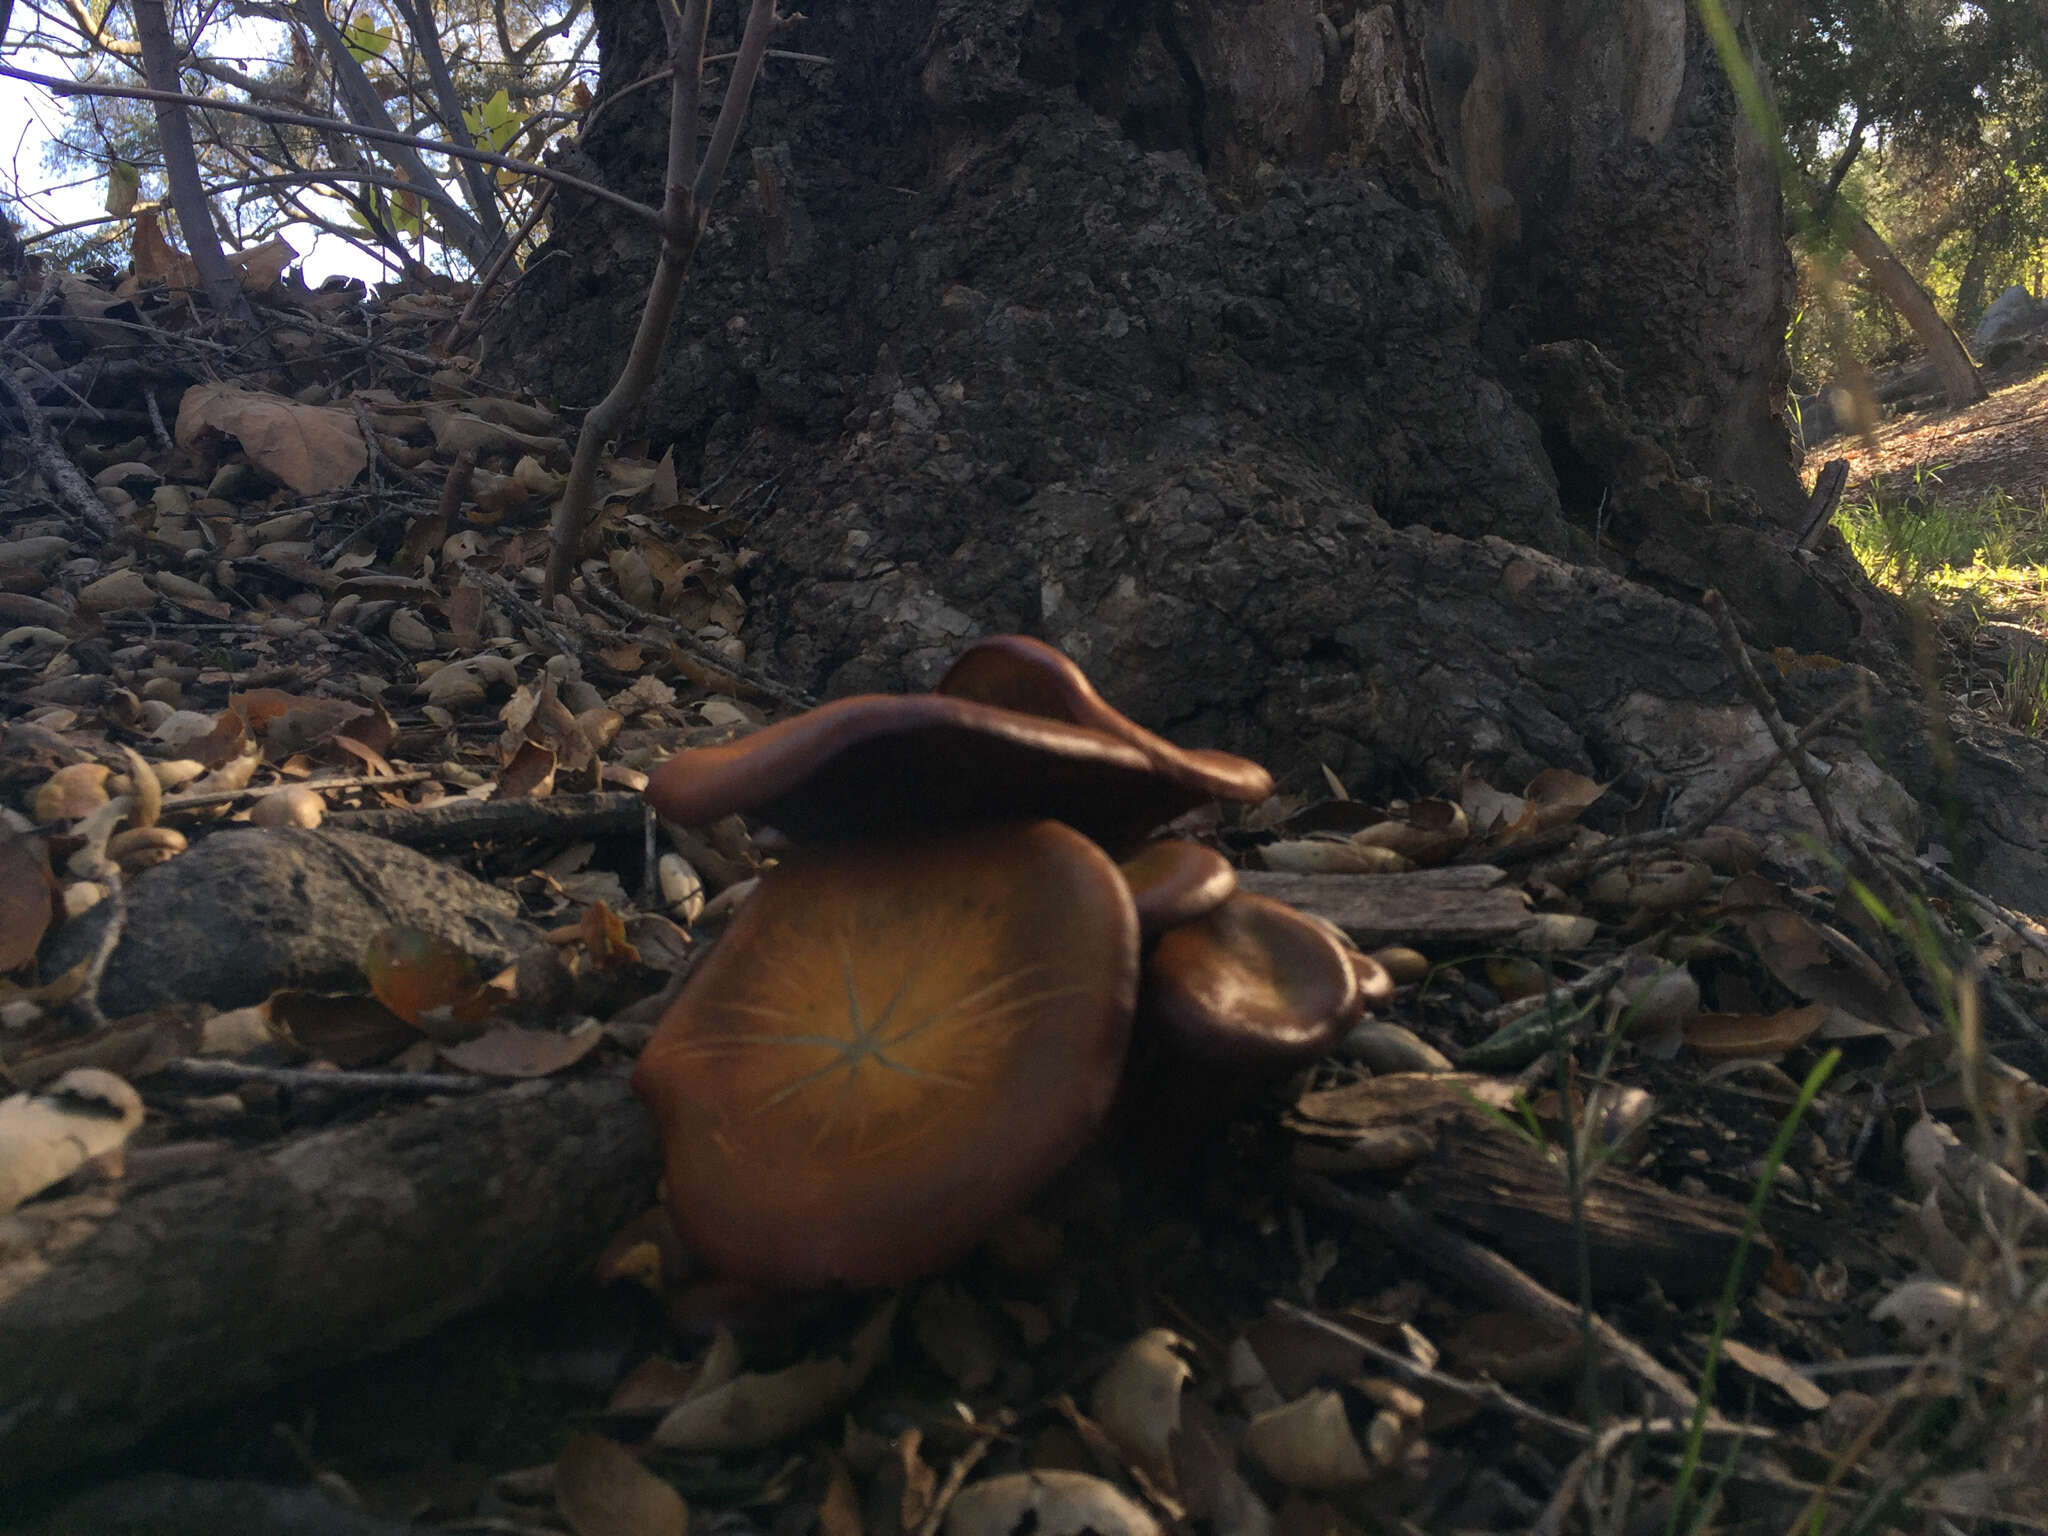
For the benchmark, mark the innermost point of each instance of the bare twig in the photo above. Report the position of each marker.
(1488, 1394)
(235, 1074)
(175, 803)
(686, 204)
(181, 164)
(66, 483)
(751, 677)
(1496, 1278)
(985, 1435)
(465, 822)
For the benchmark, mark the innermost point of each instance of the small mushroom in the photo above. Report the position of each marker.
(1174, 881)
(1020, 673)
(877, 763)
(891, 1048)
(1229, 1002)
(1253, 985)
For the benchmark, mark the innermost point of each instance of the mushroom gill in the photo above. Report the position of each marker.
(893, 1046)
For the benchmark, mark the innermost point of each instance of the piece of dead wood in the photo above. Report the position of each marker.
(606, 813)
(127, 1306)
(1489, 1183)
(1465, 1167)
(1827, 495)
(1460, 903)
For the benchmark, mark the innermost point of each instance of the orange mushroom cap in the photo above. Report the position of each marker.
(1027, 675)
(891, 1048)
(1174, 881)
(880, 762)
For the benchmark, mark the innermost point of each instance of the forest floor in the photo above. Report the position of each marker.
(1999, 444)
(1699, 1130)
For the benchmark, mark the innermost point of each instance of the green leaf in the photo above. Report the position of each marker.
(364, 39)
(496, 123)
(124, 182)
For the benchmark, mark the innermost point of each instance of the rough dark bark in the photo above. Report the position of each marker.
(1376, 389)
(129, 1305)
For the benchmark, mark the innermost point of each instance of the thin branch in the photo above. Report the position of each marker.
(335, 125)
(181, 163)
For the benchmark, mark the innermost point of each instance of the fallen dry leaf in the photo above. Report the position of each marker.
(85, 1114)
(749, 1410)
(28, 898)
(602, 1490)
(1049, 1503)
(1137, 1401)
(311, 448)
(426, 980)
(1726, 1036)
(514, 1052)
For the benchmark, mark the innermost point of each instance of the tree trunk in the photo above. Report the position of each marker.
(1378, 396)
(1901, 290)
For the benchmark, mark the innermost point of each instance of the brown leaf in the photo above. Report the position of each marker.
(1823, 965)
(426, 980)
(28, 898)
(311, 448)
(744, 1411)
(510, 1051)
(132, 1047)
(530, 774)
(602, 1490)
(346, 1028)
(604, 935)
(1728, 1036)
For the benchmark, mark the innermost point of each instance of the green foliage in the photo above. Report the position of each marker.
(1918, 539)
(364, 39)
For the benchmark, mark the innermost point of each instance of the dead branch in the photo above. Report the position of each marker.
(126, 1307)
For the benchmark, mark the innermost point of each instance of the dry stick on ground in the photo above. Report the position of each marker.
(70, 487)
(1864, 863)
(1907, 867)
(1488, 1394)
(193, 802)
(1613, 851)
(567, 641)
(686, 204)
(462, 822)
(1752, 686)
(752, 677)
(234, 1074)
(1493, 1277)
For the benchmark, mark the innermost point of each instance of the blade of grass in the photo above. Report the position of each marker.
(1731, 1287)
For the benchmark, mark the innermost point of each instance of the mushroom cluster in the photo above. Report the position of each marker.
(927, 1007)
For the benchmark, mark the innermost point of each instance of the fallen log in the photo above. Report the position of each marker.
(131, 1304)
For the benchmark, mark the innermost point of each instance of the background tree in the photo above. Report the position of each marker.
(1925, 118)
(497, 75)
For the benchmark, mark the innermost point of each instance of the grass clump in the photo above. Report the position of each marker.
(1918, 540)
